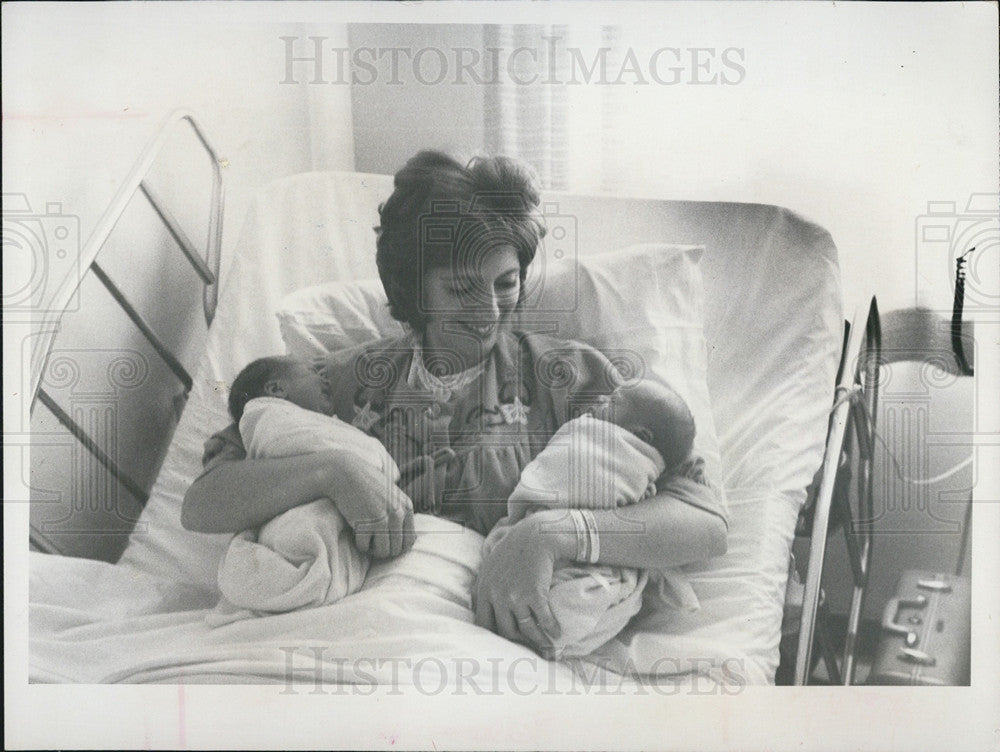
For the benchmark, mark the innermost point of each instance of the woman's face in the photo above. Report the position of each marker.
(466, 306)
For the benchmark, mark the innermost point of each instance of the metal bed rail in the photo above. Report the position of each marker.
(46, 324)
(207, 268)
(847, 471)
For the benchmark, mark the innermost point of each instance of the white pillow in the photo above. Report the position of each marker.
(643, 306)
(335, 315)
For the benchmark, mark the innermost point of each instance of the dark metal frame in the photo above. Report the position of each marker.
(207, 269)
(845, 494)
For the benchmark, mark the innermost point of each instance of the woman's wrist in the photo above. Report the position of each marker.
(588, 541)
(555, 530)
(327, 468)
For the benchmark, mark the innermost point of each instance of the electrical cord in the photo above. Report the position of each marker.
(853, 395)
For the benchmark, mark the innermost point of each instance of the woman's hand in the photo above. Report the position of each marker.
(243, 494)
(378, 512)
(512, 591)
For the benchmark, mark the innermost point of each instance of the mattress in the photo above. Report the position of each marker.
(773, 330)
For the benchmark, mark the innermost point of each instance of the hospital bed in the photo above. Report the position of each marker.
(788, 389)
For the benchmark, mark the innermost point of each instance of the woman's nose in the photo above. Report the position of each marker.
(488, 307)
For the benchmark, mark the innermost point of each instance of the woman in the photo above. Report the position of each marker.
(465, 401)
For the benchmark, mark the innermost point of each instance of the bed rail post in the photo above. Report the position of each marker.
(208, 269)
(855, 407)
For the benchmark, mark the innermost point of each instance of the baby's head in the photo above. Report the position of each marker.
(283, 377)
(656, 415)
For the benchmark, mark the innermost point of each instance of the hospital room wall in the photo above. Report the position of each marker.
(392, 121)
(857, 127)
(71, 135)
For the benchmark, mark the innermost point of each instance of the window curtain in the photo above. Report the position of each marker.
(552, 105)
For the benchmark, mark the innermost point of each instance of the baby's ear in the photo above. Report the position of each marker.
(644, 434)
(275, 388)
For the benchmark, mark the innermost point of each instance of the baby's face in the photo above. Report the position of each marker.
(307, 388)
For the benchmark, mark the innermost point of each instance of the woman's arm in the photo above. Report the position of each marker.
(657, 533)
(238, 495)
(663, 531)
(242, 494)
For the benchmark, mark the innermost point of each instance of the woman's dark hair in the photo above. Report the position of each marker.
(250, 382)
(442, 214)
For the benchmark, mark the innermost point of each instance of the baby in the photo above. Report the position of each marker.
(610, 456)
(305, 556)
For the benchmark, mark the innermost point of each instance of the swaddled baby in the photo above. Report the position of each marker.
(305, 556)
(610, 456)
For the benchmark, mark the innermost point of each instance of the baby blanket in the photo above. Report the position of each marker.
(306, 556)
(594, 464)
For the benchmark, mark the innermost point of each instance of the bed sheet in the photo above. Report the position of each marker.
(773, 328)
(409, 627)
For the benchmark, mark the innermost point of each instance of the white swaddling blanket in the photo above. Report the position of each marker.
(304, 557)
(589, 463)
(594, 464)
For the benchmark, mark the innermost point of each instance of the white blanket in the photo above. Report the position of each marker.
(593, 464)
(411, 624)
(306, 556)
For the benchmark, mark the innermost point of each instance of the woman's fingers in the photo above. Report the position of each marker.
(371, 536)
(362, 539)
(507, 625)
(544, 617)
(380, 543)
(401, 526)
(530, 633)
(484, 612)
(409, 529)
(388, 535)
(397, 516)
